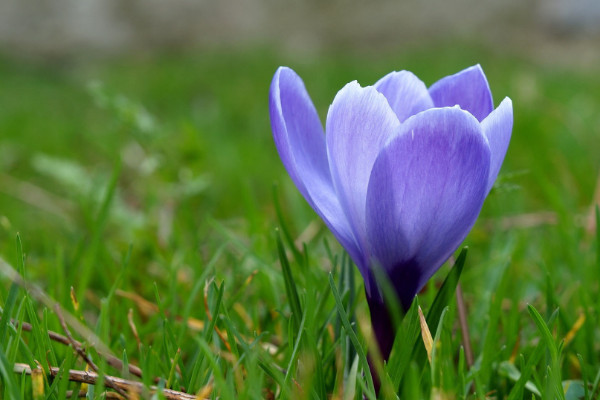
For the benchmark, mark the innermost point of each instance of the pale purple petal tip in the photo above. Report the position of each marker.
(468, 89)
(497, 128)
(406, 93)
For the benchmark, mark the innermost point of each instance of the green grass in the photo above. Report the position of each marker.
(146, 185)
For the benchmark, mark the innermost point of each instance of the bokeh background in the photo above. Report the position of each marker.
(99, 28)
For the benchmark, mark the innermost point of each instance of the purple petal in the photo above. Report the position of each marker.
(406, 93)
(359, 123)
(497, 127)
(300, 141)
(426, 189)
(468, 89)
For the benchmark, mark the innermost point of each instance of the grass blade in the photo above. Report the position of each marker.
(554, 367)
(444, 296)
(351, 334)
(284, 229)
(290, 284)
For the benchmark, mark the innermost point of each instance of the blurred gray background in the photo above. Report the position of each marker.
(61, 28)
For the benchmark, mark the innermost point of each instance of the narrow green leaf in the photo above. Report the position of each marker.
(20, 257)
(7, 311)
(510, 371)
(584, 376)
(404, 344)
(215, 314)
(352, 335)
(544, 330)
(266, 365)
(554, 367)
(12, 294)
(220, 381)
(490, 341)
(8, 376)
(462, 389)
(350, 384)
(290, 284)
(63, 377)
(89, 263)
(447, 290)
(284, 229)
(436, 371)
(528, 369)
(232, 332)
(294, 356)
(443, 297)
(595, 385)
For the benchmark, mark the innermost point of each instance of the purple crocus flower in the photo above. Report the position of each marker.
(400, 175)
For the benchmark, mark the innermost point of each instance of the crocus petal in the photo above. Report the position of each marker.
(300, 141)
(468, 89)
(406, 93)
(497, 127)
(359, 123)
(425, 191)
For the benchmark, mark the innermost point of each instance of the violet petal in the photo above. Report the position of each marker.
(468, 89)
(406, 93)
(425, 191)
(359, 123)
(300, 141)
(497, 127)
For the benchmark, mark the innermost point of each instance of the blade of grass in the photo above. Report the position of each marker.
(352, 335)
(290, 367)
(12, 294)
(443, 297)
(436, 361)
(8, 377)
(284, 229)
(584, 376)
(215, 312)
(402, 350)
(221, 383)
(7, 311)
(89, 263)
(290, 284)
(554, 367)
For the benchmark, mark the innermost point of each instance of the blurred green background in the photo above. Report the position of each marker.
(190, 133)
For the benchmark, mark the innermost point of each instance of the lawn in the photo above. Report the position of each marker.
(144, 196)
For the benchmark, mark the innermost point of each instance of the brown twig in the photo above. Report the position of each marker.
(464, 326)
(57, 337)
(133, 328)
(147, 308)
(462, 320)
(41, 296)
(81, 394)
(82, 353)
(113, 382)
